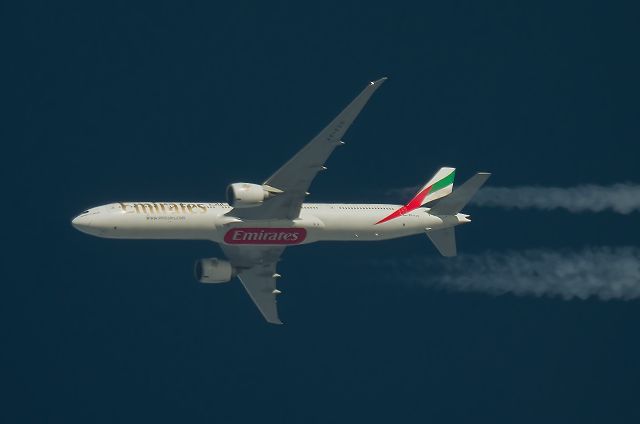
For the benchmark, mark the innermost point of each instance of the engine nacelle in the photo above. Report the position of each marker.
(245, 195)
(214, 270)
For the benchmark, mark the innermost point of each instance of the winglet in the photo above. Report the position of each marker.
(379, 81)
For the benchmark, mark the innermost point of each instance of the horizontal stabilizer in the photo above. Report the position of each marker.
(444, 240)
(453, 203)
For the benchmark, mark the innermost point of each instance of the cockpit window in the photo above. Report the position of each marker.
(87, 211)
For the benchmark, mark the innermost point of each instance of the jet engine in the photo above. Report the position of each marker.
(245, 195)
(214, 270)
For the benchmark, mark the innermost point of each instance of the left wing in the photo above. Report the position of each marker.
(295, 176)
(257, 272)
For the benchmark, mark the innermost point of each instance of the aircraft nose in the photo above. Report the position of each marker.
(81, 223)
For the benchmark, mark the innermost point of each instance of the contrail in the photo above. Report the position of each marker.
(600, 272)
(621, 198)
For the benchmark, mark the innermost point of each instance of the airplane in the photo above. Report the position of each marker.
(258, 221)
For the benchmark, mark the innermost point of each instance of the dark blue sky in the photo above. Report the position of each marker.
(172, 102)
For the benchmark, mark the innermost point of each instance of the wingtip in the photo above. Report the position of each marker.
(379, 81)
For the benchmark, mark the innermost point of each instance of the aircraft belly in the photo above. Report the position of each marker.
(366, 233)
(325, 224)
(311, 228)
(362, 227)
(158, 226)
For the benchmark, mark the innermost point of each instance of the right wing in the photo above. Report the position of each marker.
(257, 272)
(294, 177)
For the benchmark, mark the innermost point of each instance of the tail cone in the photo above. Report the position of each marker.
(462, 218)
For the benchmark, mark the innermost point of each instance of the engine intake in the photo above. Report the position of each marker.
(214, 270)
(245, 195)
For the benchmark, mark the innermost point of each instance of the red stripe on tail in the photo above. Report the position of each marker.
(413, 204)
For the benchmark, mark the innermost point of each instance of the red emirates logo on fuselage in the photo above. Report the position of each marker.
(265, 236)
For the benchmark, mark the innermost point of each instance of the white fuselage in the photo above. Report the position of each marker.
(209, 221)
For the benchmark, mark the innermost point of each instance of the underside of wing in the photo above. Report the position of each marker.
(294, 177)
(256, 267)
(260, 283)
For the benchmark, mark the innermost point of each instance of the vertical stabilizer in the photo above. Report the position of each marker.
(439, 186)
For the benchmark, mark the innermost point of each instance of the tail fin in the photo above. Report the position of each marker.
(454, 203)
(445, 239)
(440, 185)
